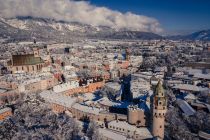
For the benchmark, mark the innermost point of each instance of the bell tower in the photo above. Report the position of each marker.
(127, 54)
(159, 111)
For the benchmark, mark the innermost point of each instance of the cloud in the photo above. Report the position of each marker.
(78, 11)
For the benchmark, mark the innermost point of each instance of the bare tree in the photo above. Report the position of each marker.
(33, 119)
(92, 131)
(176, 128)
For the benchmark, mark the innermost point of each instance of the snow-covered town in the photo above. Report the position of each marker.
(127, 90)
(90, 70)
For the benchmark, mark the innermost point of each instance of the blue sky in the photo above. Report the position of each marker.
(175, 16)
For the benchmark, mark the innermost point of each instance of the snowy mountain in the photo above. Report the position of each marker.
(27, 28)
(200, 35)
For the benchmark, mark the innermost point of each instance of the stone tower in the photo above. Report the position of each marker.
(127, 54)
(159, 111)
(136, 115)
(133, 114)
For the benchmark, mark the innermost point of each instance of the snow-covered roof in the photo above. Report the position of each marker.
(122, 124)
(113, 85)
(66, 86)
(2, 90)
(139, 87)
(186, 108)
(26, 78)
(111, 135)
(5, 110)
(56, 98)
(87, 109)
(189, 87)
(142, 131)
(105, 101)
(202, 76)
(190, 96)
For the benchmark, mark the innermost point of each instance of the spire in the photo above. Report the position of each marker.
(159, 91)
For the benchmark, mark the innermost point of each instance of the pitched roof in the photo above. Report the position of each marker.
(185, 107)
(189, 87)
(5, 110)
(159, 91)
(29, 59)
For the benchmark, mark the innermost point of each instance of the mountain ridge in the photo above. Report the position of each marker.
(45, 29)
(28, 28)
(203, 35)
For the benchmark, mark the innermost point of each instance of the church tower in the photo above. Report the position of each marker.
(127, 54)
(159, 111)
